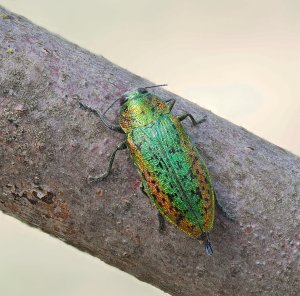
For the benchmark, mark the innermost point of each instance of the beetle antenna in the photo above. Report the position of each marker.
(156, 85)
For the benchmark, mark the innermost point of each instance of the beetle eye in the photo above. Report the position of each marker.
(123, 99)
(142, 90)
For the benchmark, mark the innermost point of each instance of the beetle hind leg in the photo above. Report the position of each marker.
(161, 218)
(142, 188)
(162, 222)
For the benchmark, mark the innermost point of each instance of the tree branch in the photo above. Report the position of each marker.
(49, 146)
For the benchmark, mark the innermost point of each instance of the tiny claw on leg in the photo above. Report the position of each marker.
(201, 120)
(97, 178)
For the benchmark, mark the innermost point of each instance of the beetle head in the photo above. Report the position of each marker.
(135, 94)
(139, 108)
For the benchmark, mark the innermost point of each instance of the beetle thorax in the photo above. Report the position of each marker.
(140, 110)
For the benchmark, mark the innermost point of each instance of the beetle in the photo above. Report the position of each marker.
(173, 173)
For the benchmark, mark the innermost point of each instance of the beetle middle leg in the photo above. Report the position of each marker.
(121, 146)
(194, 121)
(185, 115)
(162, 222)
(161, 218)
(224, 211)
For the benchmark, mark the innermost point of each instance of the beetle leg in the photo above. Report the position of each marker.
(161, 218)
(103, 118)
(171, 105)
(194, 121)
(161, 221)
(143, 189)
(228, 215)
(121, 146)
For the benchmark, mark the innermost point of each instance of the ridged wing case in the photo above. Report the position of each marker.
(173, 174)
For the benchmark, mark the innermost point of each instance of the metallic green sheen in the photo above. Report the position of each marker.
(173, 173)
(161, 148)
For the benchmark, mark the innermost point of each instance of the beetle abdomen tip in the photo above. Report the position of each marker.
(208, 248)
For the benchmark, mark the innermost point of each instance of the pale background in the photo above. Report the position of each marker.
(240, 59)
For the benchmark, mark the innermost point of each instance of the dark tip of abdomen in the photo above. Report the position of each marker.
(208, 248)
(204, 237)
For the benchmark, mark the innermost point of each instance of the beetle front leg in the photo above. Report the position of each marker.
(103, 118)
(121, 146)
(194, 121)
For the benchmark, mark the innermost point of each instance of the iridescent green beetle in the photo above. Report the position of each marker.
(173, 173)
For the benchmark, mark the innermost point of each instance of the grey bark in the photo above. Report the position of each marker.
(49, 146)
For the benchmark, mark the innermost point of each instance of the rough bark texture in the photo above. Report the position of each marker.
(49, 146)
